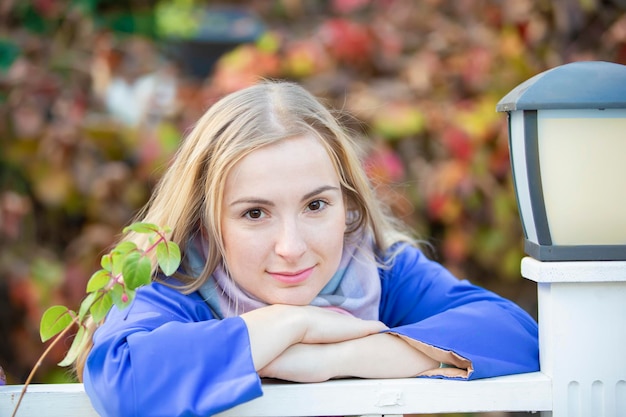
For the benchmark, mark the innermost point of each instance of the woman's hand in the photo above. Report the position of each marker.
(375, 356)
(302, 363)
(328, 326)
(274, 328)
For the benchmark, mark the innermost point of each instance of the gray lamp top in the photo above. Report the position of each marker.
(578, 85)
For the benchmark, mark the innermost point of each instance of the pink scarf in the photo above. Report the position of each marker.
(354, 288)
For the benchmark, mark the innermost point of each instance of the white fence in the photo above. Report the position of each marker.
(582, 333)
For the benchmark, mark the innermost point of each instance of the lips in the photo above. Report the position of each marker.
(292, 277)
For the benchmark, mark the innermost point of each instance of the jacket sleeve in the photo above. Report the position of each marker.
(476, 332)
(166, 355)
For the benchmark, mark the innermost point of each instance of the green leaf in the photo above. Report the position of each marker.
(106, 262)
(9, 52)
(125, 247)
(98, 280)
(80, 340)
(54, 321)
(137, 270)
(140, 227)
(120, 297)
(117, 262)
(131, 296)
(398, 120)
(168, 257)
(86, 305)
(116, 296)
(101, 307)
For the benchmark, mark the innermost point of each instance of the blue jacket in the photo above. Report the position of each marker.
(166, 355)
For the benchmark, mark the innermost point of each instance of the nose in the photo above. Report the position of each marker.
(291, 240)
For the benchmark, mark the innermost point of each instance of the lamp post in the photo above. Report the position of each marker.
(567, 138)
(567, 135)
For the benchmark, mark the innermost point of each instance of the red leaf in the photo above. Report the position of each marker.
(347, 41)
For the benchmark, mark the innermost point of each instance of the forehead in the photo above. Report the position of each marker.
(303, 159)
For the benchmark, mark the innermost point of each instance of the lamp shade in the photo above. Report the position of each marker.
(567, 139)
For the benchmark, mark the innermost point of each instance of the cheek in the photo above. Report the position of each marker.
(243, 251)
(244, 260)
(329, 238)
(330, 248)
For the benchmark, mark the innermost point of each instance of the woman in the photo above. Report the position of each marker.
(291, 269)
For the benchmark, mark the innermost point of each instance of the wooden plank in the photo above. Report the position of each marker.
(525, 392)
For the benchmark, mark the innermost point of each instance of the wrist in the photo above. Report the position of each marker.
(341, 357)
(293, 319)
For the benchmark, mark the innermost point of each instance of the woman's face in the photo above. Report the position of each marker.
(283, 221)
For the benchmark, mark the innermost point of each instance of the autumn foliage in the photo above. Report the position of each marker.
(419, 79)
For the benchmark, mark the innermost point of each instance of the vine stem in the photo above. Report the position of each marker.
(155, 244)
(38, 364)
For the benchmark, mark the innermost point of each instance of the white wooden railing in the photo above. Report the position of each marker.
(582, 334)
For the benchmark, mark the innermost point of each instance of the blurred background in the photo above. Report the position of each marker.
(95, 96)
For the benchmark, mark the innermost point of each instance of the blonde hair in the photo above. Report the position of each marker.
(188, 198)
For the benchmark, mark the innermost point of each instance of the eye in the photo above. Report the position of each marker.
(254, 214)
(316, 205)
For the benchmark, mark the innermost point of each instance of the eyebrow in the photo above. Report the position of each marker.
(254, 200)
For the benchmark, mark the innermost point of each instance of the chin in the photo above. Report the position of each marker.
(293, 300)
